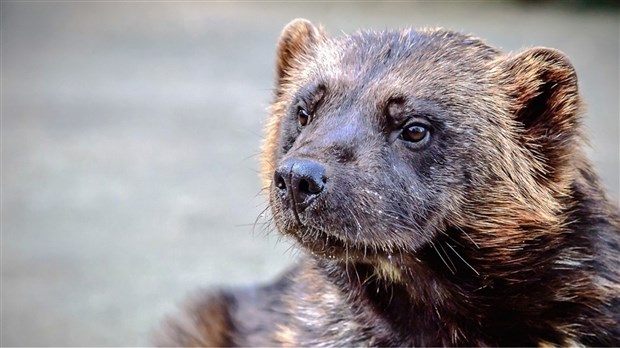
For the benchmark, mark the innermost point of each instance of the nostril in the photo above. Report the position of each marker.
(279, 181)
(304, 186)
(310, 183)
(311, 186)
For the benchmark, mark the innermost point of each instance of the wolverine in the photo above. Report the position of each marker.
(440, 195)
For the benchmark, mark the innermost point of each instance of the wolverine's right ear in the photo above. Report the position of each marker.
(298, 39)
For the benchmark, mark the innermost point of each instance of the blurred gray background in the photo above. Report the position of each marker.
(129, 139)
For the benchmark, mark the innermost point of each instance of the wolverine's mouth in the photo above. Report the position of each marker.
(321, 243)
(334, 246)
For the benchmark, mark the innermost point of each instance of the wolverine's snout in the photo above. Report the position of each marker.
(300, 182)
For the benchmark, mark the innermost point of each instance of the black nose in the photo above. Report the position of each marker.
(300, 180)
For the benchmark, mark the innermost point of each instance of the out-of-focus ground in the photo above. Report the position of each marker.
(129, 139)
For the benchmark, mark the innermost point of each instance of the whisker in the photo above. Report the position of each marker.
(441, 257)
(462, 259)
(260, 215)
(346, 260)
(446, 254)
(254, 155)
(467, 235)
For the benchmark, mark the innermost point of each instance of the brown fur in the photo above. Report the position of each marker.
(206, 323)
(494, 232)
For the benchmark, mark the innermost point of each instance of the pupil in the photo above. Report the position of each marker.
(303, 117)
(416, 133)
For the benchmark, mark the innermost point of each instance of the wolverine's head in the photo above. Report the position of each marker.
(379, 142)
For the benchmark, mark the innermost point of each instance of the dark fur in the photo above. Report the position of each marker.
(495, 232)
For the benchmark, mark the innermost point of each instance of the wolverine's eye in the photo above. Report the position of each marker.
(303, 117)
(415, 133)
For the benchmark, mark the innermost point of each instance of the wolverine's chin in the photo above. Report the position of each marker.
(333, 245)
(320, 242)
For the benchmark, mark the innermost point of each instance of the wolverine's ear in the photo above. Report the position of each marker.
(546, 103)
(545, 90)
(298, 39)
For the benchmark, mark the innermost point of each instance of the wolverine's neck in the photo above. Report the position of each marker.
(438, 294)
(393, 299)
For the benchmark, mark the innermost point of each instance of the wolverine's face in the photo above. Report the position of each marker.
(373, 154)
(379, 143)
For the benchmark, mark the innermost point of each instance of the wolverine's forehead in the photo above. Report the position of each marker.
(379, 66)
(375, 51)
(363, 56)
(400, 62)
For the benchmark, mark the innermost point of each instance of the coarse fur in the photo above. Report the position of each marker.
(493, 231)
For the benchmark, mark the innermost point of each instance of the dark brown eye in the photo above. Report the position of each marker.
(303, 117)
(415, 133)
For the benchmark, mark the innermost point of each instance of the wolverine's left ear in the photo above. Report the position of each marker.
(544, 89)
(545, 100)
